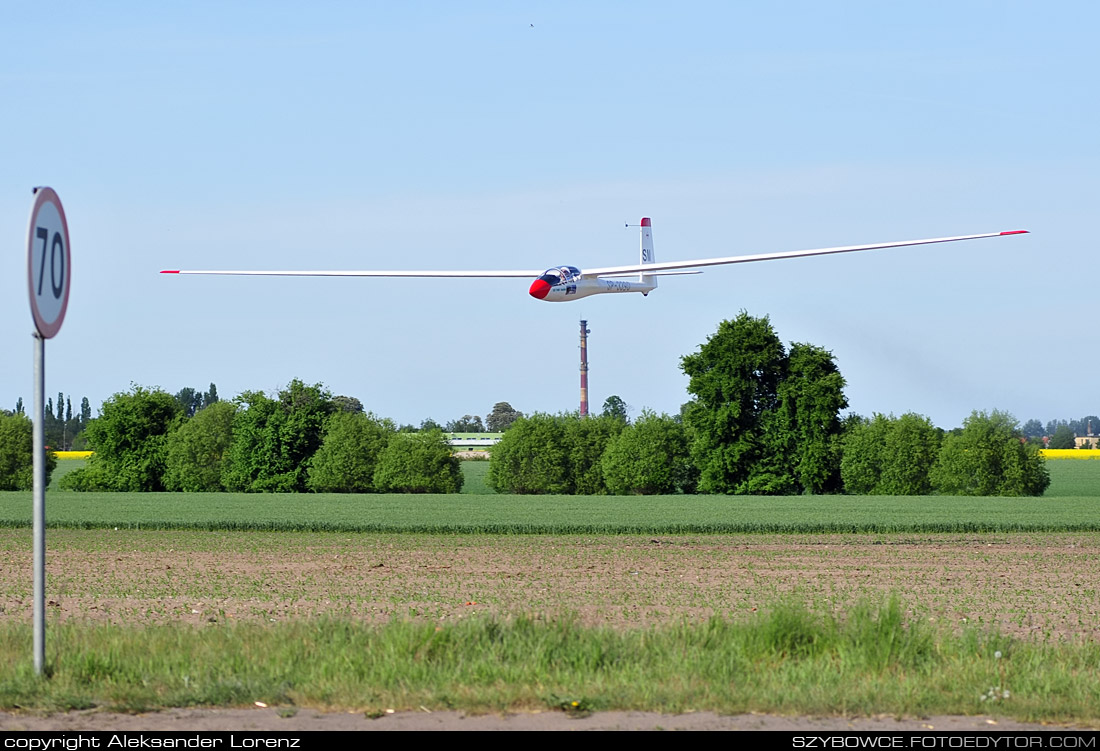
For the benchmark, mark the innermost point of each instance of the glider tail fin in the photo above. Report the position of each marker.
(647, 255)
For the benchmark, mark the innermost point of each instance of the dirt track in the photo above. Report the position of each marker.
(267, 720)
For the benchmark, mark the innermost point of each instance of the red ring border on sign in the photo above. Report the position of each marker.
(43, 196)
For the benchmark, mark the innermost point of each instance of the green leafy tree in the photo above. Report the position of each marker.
(735, 381)
(273, 439)
(889, 455)
(614, 406)
(587, 439)
(532, 457)
(130, 441)
(466, 424)
(1053, 425)
(988, 457)
(349, 453)
(1033, 429)
(429, 424)
(650, 457)
(1063, 438)
(552, 454)
(762, 420)
(811, 395)
(196, 450)
(347, 404)
(17, 453)
(419, 462)
(190, 401)
(502, 417)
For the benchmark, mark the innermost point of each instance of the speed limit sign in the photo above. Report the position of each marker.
(48, 262)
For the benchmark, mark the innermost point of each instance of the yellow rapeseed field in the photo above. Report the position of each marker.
(1070, 453)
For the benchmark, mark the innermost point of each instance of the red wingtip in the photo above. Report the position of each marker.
(645, 221)
(171, 271)
(1017, 232)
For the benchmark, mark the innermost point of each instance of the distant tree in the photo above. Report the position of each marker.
(196, 450)
(681, 416)
(650, 457)
(614, 406)
(1063, 438)
(429, 424)
(1033, 429)
(1088, 425)
(347, 404)
(762, 420)
(349, 453)
(863, 453)
(586, 440)
(466, 424)
(735, 379)
(211, 396)
(988, 457)
(17, 453)
(274, 438)
(532, 457)
(889, 455)
(51, 428)
(190, 401)
(1053, 425)
(19, 406)
(85, 411)
(552, 454)
(130, 441)
(502, 417)
(811, 395)
(418, 463)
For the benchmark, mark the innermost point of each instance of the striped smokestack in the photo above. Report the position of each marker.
(584, 368)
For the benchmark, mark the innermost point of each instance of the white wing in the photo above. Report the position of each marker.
(643, 268)
(640, 268)
(471, 274)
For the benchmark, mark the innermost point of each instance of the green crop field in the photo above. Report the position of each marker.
(1071, 504)
(519, 514)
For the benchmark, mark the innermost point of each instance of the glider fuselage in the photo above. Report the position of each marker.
(552, 288)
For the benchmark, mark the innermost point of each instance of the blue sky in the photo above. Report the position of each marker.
(524, 135)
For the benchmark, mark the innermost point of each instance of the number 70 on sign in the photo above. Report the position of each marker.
(48, 262)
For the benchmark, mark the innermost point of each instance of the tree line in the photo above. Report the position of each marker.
(763, 418)
(302, 439)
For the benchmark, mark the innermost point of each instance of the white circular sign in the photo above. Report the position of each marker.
(48, 262)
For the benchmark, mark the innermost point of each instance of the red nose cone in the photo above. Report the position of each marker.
(540, 288)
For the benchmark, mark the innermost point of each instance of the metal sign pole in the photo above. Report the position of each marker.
(39, 504)
(49, 260)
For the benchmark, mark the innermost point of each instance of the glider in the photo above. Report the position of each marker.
(564, 283)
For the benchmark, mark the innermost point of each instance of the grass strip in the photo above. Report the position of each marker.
(786, 659)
